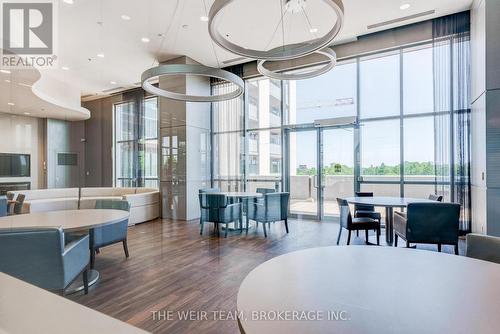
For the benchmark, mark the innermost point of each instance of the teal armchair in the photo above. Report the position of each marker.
(273, 208)
(40, 257)
(218, 210)
(109, 234)
(483, 247)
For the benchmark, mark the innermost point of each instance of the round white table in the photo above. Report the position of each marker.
(70, 221)
(389, 203)
(367, 289)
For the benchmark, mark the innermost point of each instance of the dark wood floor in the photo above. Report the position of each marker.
(172, 268)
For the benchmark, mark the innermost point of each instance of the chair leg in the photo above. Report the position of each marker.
(357, 233)
(407, 244)
(201, 228)
(125, 247)
(247, 225)
(286, 225)
(340, 232)
(92, 258)
(456, 249)
(349, 237)
(264, 227)
(85, 276)
(225, 231)
(439, 248)
(378, 237)
(395, 240)
(97, 251)
(366, 236)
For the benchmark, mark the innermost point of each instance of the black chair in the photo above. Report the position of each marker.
(428, 223)
(361, 210)
(355, 224)
(18, 206)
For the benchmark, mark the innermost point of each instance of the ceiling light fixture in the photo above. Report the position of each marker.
(65, 68)
(200, 70)
(69, 2)
(125, 17)
(113, 82)
(27, 113)
(100, 55)
(5, 71)
(204, 18)
(145, 40)
(285, 52)
(313, 30)
(11, 104)
(328, 52)
(7, 80)
(404, 6)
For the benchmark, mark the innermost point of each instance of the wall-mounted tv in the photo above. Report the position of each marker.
(14, 165)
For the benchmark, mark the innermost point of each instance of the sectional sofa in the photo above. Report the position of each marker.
(144, 202)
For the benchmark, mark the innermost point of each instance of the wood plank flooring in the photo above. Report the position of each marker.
(173, 269)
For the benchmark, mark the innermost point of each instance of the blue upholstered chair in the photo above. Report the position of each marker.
(428, 223)
(218, 210)
(273, 208)
(41, 258)
(109, 234)
(204, 212)
(3, 206)
(483, 247)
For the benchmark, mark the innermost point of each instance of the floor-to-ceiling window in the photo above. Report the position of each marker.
(136, 144)
(391, 150)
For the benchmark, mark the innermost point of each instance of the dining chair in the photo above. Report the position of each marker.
(483, 247)
(355, 224)
(218, 210)
(273, 208)
(41, 257)
(428, 223)
(204, 212)
(18, 206)
(363, 210)
(110, 234)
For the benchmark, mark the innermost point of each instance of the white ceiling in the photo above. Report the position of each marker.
(90, 27)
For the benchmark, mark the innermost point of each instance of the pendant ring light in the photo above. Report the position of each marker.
(286, 52)
(200, 70)
(328, 52)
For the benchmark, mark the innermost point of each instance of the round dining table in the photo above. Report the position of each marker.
(240, 196)
(389, 203)
(369, 289)
(70, 221)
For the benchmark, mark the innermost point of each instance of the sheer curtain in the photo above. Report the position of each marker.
(451, 61)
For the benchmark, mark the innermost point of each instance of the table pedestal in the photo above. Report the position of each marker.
(77, 285)
(389, 224)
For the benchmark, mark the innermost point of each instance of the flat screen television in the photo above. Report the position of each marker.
(14, 165)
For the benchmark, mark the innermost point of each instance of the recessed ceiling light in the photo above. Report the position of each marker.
(113, 82)
(69, 2)
(7, 80)
(126, 17)
(204, 18)
(65, 68)
(5, 71)
(313, 30)
(145, 40)
(404, 6)
(27, 113)
(11, 104)
(100, 55)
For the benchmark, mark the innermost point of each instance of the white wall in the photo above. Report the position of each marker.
(22, 134)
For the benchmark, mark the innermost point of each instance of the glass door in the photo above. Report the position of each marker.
(302, 175)
(337, 172)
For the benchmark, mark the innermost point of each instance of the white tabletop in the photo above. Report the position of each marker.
(387, 201)
(375, 290)
(70, 220)
(240, 194)
(26, 309)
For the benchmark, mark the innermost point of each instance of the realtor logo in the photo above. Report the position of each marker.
(28, 33)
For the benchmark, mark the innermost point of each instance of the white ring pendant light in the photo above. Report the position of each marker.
(286, 52)
(183, 69)
(328, 52)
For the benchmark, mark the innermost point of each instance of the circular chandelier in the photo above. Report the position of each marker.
(328, 52)
(286, 52)
(200, 70)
